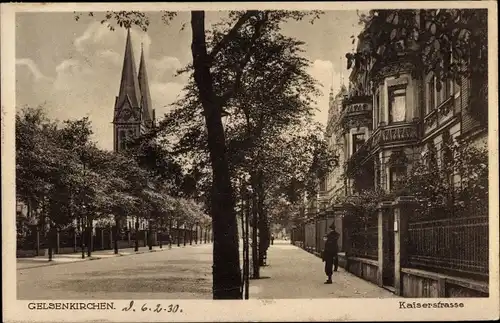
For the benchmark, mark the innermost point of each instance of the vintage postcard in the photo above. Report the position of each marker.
(333, 161)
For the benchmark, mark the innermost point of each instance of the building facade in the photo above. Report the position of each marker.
(133, 111)
(393, 117)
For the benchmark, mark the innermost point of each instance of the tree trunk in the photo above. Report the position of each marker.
(116, 231)
(178, 236)
(255, 245)
(136, 247)
(226, 262)
(170, 235)
(247, 255)
(82, 236)
(262, 221)
(191, 236)
(184, 236)
(90, 244)
(150, 236)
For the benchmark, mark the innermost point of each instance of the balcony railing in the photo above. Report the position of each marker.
(395, 133)
(401, 133)
(356, 112)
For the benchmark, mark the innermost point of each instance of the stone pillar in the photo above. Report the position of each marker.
(337, 219)
(403, 209)
(383, 209)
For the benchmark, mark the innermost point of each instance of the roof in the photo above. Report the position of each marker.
(147, 108)
(129, 85)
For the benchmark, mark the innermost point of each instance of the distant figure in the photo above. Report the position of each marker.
(330, 253)
(272, 239)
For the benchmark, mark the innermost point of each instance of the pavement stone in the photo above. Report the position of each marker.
(294, 273)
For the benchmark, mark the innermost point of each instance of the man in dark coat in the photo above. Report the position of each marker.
(330, 253)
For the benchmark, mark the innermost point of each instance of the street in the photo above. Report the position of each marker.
(183, 273)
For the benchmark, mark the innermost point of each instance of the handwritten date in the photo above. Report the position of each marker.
(155, 308)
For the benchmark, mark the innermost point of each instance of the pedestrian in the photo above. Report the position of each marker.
(330, 253)
(272, 239)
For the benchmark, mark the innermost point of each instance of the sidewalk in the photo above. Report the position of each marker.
(295, 273)
(41, 261)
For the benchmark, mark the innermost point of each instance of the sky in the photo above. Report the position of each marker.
(73, 68)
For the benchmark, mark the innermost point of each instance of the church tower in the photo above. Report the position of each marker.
(133, 113)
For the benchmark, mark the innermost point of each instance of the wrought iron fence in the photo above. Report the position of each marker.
(363, 232)
(458, 244)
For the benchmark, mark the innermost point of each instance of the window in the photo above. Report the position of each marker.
(444, 93)
(396, 174)
(377, 108)
(358, 140)
(397, 104)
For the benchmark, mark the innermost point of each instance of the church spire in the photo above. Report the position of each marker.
(147, 108)
(129, 87)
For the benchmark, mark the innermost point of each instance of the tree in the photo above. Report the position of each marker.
(213, 97)
(457, 186)
(452, 43)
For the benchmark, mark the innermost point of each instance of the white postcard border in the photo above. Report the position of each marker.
(251, 310)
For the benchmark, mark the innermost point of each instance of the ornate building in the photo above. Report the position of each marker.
(394, 115)
(133, 112)
(334, 183)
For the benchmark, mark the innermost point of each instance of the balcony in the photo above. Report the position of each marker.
(357, 112)
(395, 134)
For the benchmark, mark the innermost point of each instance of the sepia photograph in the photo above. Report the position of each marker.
(273, 154)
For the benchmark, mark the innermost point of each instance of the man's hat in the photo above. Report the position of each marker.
(332, 226)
